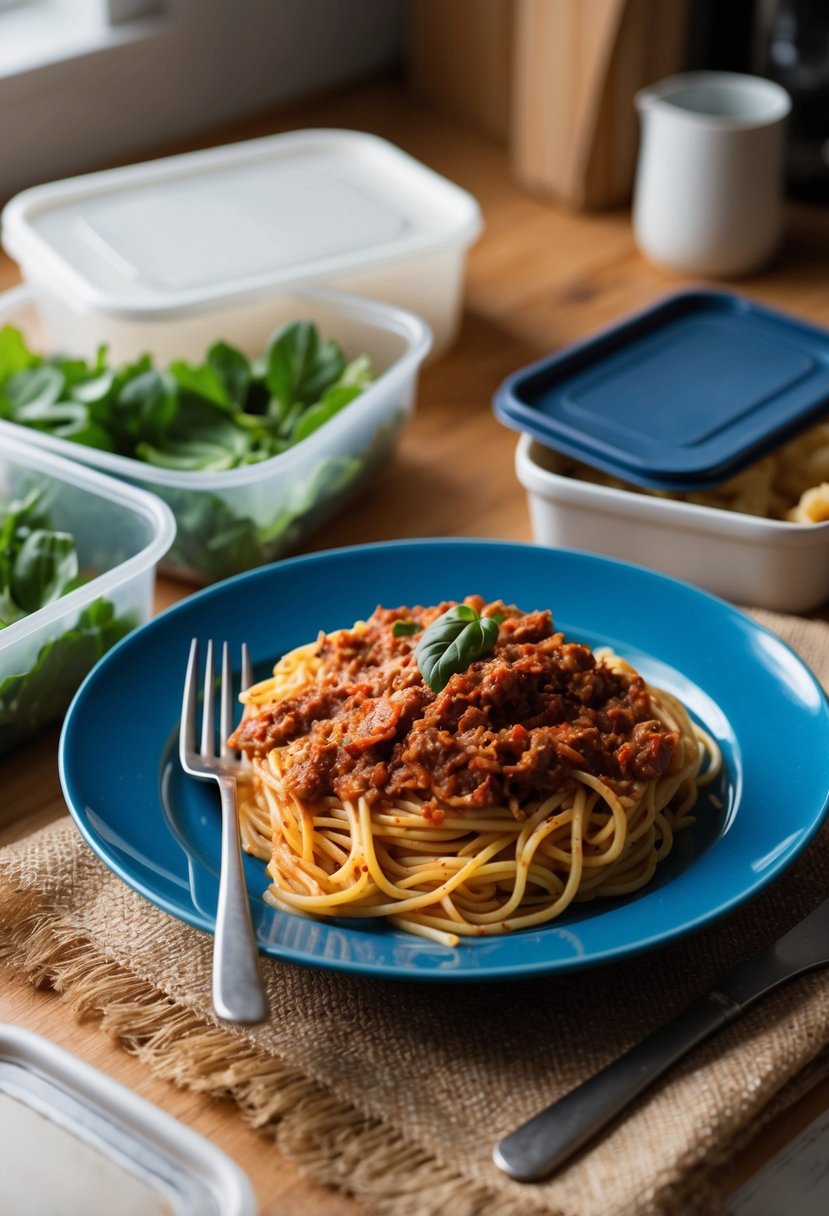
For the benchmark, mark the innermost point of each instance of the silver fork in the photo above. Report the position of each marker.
(238, 991)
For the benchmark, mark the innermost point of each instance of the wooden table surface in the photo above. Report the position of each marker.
(539, 278)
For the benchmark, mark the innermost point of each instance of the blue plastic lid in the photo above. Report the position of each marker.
(679, 397)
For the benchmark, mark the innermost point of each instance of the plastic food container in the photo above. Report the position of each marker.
(681, 397)
(168, 255)
(240, 518)
(78, 1143)
(120, 533)
(746, 559)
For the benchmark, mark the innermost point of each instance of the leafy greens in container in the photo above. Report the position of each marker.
(223, 413)
(38, 565)
(227, 412)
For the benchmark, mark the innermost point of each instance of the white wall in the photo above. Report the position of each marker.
(197, 64)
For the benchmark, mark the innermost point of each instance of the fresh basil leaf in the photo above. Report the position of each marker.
(300, 367)
(45, 563)
(452, 642)
(405, 629)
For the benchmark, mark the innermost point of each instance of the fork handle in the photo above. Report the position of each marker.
(238, 991)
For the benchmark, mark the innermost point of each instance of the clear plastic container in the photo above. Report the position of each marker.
(204, 242)
(747, 559)
(121, 534)
(80, 1144)
(240, 518)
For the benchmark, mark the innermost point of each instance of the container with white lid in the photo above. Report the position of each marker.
(77, 1143)
(120, 534)
(168, 255)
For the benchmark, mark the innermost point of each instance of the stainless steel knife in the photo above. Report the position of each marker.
(547, 1140)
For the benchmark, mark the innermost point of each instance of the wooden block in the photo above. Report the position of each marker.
(577, 65)
(460, 59)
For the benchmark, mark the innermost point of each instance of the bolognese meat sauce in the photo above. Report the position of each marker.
(509, 729)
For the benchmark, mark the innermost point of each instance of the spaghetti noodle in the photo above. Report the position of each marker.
(540, 775)
(790, 484)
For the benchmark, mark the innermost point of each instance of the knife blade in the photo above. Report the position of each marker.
(548, 1139)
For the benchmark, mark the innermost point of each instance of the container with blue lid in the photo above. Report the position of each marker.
(664, 441)
(679, 397)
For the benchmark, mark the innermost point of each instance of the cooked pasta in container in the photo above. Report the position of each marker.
(693, 439)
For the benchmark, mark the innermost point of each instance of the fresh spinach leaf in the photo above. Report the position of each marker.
(73, 371)
(146, 406)
(201, 437)
(87, 434)
(233, 371)
(300, 367)
(31, 699)
(94, 389)
(315, 416)
(15, 355)
(9, 610)
(220, 414)
(357, 373)
(56, 416)
(203, 381)
(37, 386)
(38, 565)
(44, 567)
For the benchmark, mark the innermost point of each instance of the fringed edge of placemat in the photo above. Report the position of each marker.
(327, 1139)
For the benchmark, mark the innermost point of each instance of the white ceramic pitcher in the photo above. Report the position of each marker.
(709, 180)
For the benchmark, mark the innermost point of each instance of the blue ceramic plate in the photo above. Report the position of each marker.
(159, 830)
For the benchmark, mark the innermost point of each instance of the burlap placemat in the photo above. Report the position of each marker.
(397, 1092)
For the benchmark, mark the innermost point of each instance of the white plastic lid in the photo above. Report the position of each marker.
(233, 222)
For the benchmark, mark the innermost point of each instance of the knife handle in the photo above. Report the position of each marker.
(550, 1137)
